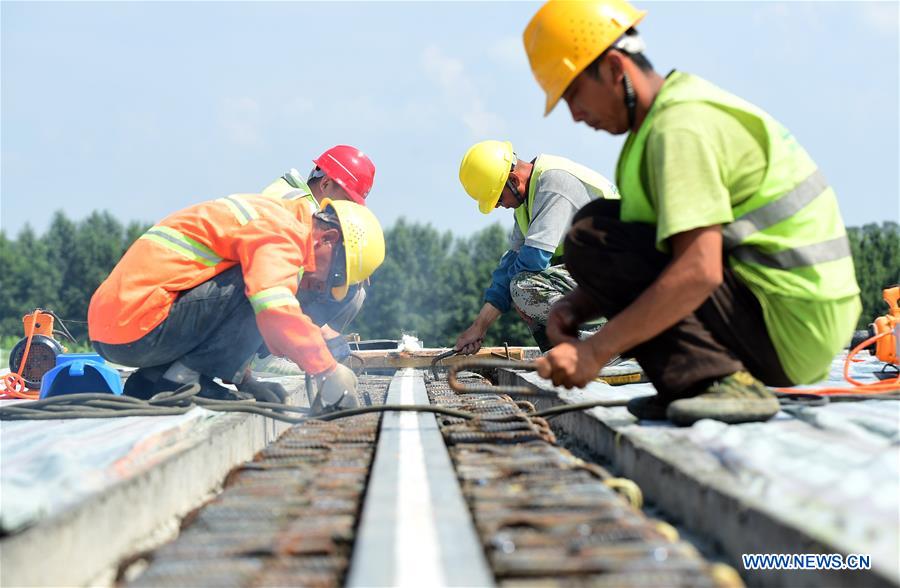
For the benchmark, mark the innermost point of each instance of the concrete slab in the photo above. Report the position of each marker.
(141, 490)
(822, 480)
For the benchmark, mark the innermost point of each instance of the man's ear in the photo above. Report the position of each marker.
(331, 235)
(616, 66)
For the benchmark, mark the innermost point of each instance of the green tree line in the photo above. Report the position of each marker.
(430, 285)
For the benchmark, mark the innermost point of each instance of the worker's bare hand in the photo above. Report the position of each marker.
(562, 323)
(570, 364)
(470, 340)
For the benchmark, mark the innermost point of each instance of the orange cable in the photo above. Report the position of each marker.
(881, 387)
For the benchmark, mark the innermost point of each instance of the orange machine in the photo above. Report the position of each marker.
(886, 345)
(35, 354)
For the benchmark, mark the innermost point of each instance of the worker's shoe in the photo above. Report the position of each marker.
(649, 408)
(738, 398)
(142, 382)
(275, 366)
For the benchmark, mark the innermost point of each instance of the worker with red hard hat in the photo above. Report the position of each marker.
(342, 172)
(350, 168)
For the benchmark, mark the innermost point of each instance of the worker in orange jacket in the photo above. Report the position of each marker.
(196, 296)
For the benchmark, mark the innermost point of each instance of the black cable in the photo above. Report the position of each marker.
(564, 408)
(630, 99)
(62, 324)
(100, 405)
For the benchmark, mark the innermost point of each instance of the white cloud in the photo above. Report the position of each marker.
(882, 17)
(240, 119)
(460, 94)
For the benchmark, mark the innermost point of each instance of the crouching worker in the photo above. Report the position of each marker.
(197, 295)
(726, 268)
(340, 173)
(545, 193)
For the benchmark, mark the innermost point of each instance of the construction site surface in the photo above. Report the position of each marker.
(507, 498)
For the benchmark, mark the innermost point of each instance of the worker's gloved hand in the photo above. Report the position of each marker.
(338, 347)
(263, 391)
(336, 391)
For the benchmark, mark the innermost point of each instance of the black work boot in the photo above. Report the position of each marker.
(141, 382)
(738, 398)
(649, 408)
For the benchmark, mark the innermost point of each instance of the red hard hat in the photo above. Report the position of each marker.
(350, 168)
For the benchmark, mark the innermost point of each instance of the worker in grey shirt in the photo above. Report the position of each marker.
(545, 193)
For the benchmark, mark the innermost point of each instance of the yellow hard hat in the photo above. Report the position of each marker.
(363, 242)
(564, 37)
(484, 170)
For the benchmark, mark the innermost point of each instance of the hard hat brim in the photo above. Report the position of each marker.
(486, 206)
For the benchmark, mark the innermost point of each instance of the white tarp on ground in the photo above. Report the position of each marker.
(832, 471)
(48, 466)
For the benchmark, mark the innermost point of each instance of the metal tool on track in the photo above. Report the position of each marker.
(483, 364)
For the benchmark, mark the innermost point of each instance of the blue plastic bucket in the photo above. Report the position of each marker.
(80, 372)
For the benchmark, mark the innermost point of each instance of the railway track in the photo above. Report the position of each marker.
(408, 498)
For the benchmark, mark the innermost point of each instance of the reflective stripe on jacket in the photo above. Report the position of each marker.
(788, 238)
(271, 239)
(597, 186)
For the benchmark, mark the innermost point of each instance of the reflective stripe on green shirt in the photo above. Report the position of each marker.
(704, 157)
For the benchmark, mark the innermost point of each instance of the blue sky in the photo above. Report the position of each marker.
(144, 108)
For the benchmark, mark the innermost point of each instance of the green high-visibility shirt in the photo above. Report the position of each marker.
(700, 162)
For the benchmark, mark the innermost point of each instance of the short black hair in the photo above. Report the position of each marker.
(314, 179)
(327, 219)
(639, 59)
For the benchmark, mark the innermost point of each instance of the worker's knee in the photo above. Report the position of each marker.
(521, 289)
(532, 296)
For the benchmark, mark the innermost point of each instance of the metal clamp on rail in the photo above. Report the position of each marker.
(461, 388)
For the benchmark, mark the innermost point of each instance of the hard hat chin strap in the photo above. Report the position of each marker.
(511, 184)
(511, 181)
(337, 273)
(630, 100)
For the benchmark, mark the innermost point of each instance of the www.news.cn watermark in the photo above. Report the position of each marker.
(806, 561)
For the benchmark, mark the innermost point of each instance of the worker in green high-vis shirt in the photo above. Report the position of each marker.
(726, 267)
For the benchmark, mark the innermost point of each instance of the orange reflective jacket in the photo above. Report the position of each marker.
(270, 239)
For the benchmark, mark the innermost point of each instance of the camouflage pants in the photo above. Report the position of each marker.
(534, 293)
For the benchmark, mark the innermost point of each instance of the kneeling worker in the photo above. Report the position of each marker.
(545, 193)
(341, 173)
(196, 296)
